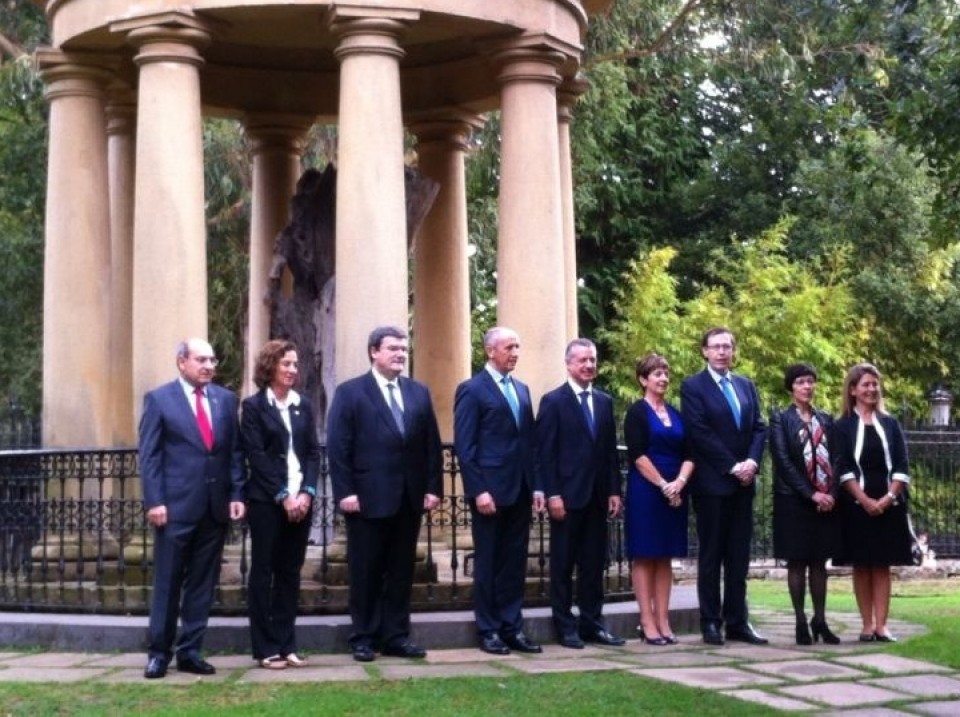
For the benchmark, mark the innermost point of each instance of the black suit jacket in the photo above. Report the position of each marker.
(717, 444)
(176, 468)
(843, 451)
(496, 455)
(571, 462)
(370, 458)
(786, 451)
(266, 442)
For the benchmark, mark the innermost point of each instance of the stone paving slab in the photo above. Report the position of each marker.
(770, 699)
(759, 652)
(938, 709)
(52, 674)
(921, 685)
(344, 673)
(471, 655)
(869, 712)
(891, 664)
(675, 659)
(842, 694)
(805, 670)
(122, 660)
(405, 672)
(711, 678)
(540, 667)
(54, 659)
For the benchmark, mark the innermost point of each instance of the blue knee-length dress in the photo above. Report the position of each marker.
(653, 528)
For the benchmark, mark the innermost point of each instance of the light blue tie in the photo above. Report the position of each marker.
(508, 392)
(727, 388)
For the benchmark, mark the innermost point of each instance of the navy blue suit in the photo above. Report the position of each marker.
(197, 487)
(724, 508)
(581, 466)
(390, 472)
(497, 456)
(277, 546)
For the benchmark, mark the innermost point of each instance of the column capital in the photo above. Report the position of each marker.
(121, 111)
(451, 128)
(570, 90)
(72, 74)
(367, 35)
(286, 133)
(529, 64)
(166, 37)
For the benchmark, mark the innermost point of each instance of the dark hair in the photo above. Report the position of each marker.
(795, 371)
(710, 333)
(650, 363)
(268, 359)
(379, 334)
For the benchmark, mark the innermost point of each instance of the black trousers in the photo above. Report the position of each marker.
(578, 542)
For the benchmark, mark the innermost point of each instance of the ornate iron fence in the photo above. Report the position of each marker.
(73, 535)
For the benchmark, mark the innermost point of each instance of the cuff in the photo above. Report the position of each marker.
(281, 496)
(309, 490)
(902, 477)
(847, 476)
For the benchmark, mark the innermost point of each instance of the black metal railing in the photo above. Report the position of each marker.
(73, 535)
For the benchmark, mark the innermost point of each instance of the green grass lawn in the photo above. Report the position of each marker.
(935, 604)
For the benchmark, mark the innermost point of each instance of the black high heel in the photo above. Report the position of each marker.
(659, 640)
(803, 633)
(883, 637)
(820, 630)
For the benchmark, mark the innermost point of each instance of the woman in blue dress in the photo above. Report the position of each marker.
(656, 506)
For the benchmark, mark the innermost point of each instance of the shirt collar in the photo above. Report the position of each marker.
(717, 376)
(578, 389)
(382, 380)
(293, 398)
(497, 376)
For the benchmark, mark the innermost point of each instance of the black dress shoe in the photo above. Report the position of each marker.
(746, 634)
(603, 637)
(571, 640)
(363, 653)
(712, 635)
(195, 666)
(522, 643)
(156, 668)
(404, 649)
(493, 645)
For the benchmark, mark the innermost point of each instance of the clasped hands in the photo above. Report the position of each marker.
(297, 507)
(351, 504)
(825, 502)
(745, 472)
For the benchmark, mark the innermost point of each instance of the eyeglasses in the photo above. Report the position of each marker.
(720, 347)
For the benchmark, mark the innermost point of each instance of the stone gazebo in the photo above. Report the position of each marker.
(129, 83)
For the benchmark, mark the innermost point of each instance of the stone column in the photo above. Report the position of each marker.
(170, 253)
(441, 294)
(566, 98)
(371, 254)
(276, 145)
(76, 298)
(121, 148)
(530, 259)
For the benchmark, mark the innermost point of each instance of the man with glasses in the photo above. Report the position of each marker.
(191, 466)
(727, 437)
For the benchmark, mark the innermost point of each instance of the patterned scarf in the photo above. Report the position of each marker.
(816, 457)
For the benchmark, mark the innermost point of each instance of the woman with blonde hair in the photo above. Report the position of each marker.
(870, 462)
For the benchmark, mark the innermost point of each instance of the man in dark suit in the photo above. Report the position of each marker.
(722, 416)
(579, 472)
(386, 468)
(191, 466)
(494, 438)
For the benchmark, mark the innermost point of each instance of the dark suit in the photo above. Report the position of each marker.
(197, 487)
(390, 473)
(581, 467)
(724, 508)
(497, 456)
(277, 546)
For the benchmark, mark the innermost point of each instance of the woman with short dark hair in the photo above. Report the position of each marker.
(805, 522)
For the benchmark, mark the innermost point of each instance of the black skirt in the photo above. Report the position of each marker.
(800, 532)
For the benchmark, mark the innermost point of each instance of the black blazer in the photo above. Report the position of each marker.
(176, 468)
(370, 458)
(843, 452)
(716, 442)
(786, 451)
(266, 442)
(571, 462)
(495, 455)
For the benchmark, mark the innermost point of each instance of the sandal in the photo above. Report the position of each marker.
(274, 662)
(294, 660)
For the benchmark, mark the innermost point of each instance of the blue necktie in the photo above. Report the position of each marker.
(395, 408)
(727, 388)
(585, 405)
(508, 392)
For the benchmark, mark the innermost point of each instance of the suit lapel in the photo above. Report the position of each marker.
(375, 396)
(574, 401)
(272, 412)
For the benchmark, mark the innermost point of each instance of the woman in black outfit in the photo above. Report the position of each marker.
(870, 461)
(805, 524)
(283, 454)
